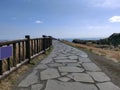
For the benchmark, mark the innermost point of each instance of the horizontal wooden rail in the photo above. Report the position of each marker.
(23, 49)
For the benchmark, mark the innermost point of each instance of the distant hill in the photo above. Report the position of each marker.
(113, 39)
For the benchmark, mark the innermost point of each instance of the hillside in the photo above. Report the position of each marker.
(113, 39)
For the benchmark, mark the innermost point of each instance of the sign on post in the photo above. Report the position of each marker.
(5, 52)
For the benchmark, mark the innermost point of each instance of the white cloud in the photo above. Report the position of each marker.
(114, 19)
(38, 21)
(98, 27)
(106, 3)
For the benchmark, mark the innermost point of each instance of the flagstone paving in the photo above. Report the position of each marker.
(66, 68)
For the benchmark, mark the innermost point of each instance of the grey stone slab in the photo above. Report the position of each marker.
(53, 55)
(46, 60)
(59, 58)
(73, 57)
(99, 76)
(91, 67)
(107, 86)
(54, 64)
(82, 77)
(22, 89)
(61, 55)
(63, 61)
(64, 74)
(49, 74)
(58, 85)
(73, 64)
(69, 54)
(36, 87)
(84, 55)
(29, 80)
(41, 66)
(64, 79)
(84, 60)
(70, 69)
(80, 63)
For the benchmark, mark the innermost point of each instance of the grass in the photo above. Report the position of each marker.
(111, 54)
(10, 81)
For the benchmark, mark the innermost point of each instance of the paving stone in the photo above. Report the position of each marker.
(64, 79)
(54, 64)
(84, 55)
(73, 64)
(84, 60)
(41, 66)
(70, 69)
(47, 60)
(69, 54)
(64, 74)
(79, 62)
(83, 77)
(73, 57)
(63, 61)
(58, 85)
(59, 58)
(22, 89)
(91, 67)
(36, 87)
(99, 76)
(29, 80)
(62, 55)
(53, 55)
(107, 86)
(49, 74)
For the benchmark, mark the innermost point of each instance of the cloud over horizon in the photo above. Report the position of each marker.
(114, 19)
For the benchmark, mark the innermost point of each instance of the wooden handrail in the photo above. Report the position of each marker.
(23, 49)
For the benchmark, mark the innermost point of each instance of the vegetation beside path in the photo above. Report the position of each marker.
(9, 82)
(110, 54)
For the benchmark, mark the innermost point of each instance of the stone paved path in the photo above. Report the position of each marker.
(66, 68)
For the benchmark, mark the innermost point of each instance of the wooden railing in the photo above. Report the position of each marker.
(23, 51)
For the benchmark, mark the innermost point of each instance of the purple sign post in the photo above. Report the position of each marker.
(5, 52)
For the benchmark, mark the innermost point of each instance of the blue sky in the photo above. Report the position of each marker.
(59, 18)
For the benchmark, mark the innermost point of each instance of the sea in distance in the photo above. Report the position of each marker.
(71, 39)
(67, 39)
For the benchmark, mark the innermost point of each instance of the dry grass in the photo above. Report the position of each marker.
(111, 54)
(9, 82)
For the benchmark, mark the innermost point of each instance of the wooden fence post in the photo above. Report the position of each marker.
(50, 41)
(14, 54)
(1, 67)
(1, 71)
(8, 63)
(28, 48)
(44, 43)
